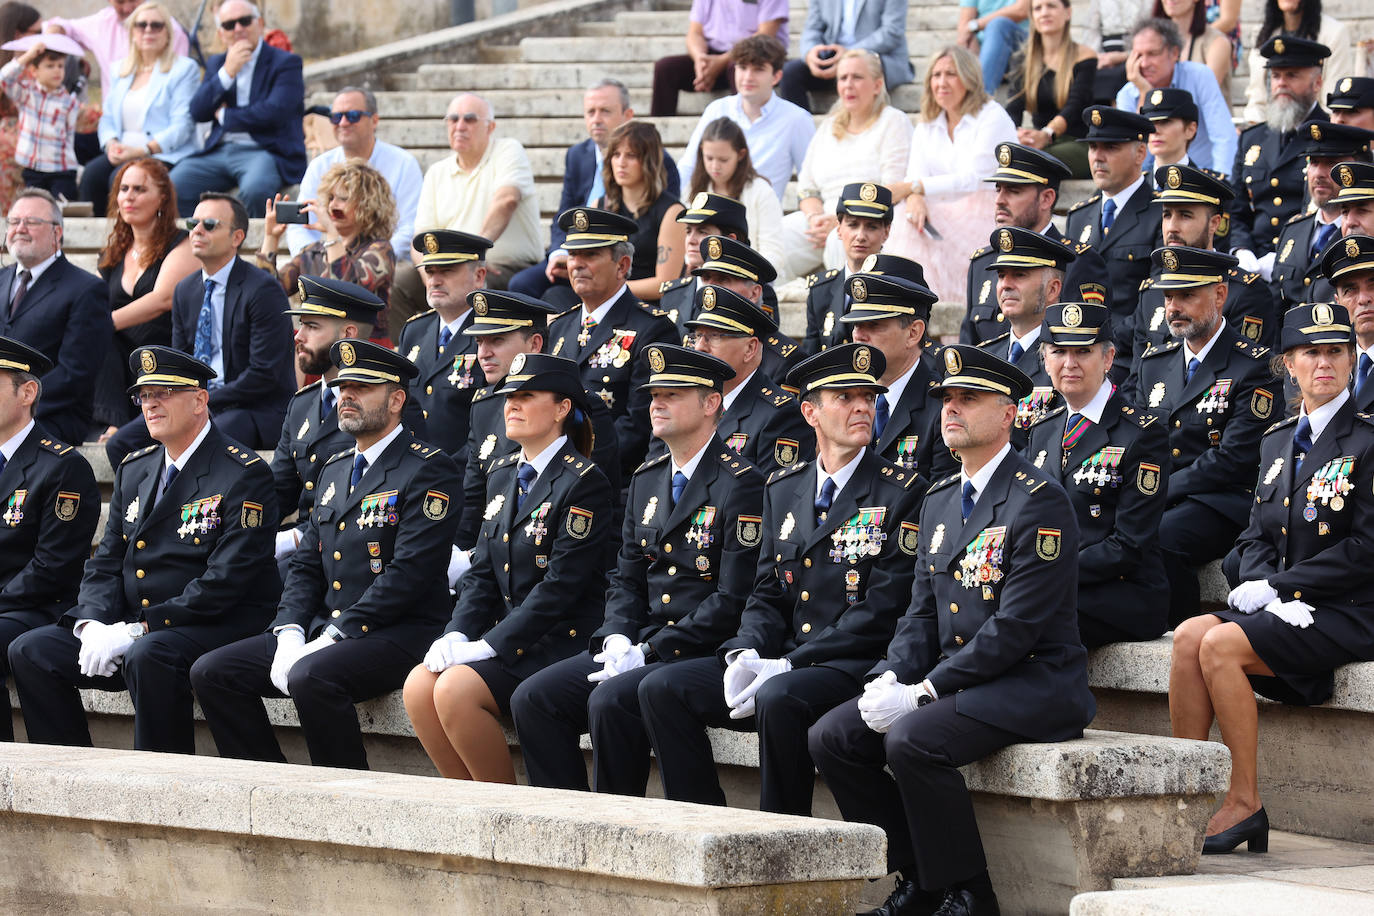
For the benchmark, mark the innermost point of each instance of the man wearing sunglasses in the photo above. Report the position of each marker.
(354, 117)
(254, 96)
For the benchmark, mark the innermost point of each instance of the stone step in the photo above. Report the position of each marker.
(918, 18)
(531, 132)
(479, 77)
(647, 49)
(88, 233)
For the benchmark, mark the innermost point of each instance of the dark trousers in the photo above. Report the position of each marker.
(554, 707)
(1191, 535)
(683, 699)
(59, 184)
(797, 81)
(230, 683)
(154, 671)
(10, 630)
(675, 74)
(248, 427)
(923, 804)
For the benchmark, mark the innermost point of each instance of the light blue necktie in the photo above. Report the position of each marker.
(598, 190)
(1108, 215)
(205, 326)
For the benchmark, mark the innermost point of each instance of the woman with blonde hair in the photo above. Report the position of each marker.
(863, 139)
(944, 193)
(147, 111)
(1054, 83)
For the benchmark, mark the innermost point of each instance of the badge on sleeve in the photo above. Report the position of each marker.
(1261, 404)
(579, 522)
(910, 538)
(436, 505)
(1047, 544)
(749, 530)
(786, 451)
(252, 515)
(1147, 478)
(67, 504)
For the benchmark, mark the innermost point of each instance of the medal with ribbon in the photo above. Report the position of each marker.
(537, 528)
(1329, 485)
(1032, 408)
(14, 510)
(906, 451)
(861, 536)
(1218, 397)
(699, 533)
(461, 376)
(1102, 469)
(982, 559)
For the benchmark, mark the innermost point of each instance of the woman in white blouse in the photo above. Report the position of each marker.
(863, 139)
(946, 209)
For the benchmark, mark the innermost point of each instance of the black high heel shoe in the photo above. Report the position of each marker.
(1253, 831)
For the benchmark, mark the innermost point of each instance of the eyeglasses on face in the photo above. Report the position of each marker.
(155, 395)
(150, 25)
(352, 116)
(28, 222)
(470, 117)
(242, 22)
(210, 223)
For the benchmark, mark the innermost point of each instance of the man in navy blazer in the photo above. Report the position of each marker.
(254, 96)
(879, 26)
(58, 309)
(605, 106)
(246, 337)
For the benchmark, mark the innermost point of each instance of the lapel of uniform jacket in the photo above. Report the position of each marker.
(1206, 375)
(374, 473)
(1096, 436)
(985, 509)
(1327, 447)
(187, 482)
(909, 405)
(1127, 215)
(602, 332)
(847, 501)
(542, 486)
(698, 486)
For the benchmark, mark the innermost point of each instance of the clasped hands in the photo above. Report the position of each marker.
(744, 675)
(885, 700)
(102, 647)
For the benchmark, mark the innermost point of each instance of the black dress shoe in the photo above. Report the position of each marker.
(1253, 831)
(906, 899)
(964, 902)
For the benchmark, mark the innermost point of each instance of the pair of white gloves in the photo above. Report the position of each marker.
(617, 656)
(455, 649)
(291, 648)
(744, 675)
(1264, 266)
(886, 699)
(102, 647)
(1258, 594)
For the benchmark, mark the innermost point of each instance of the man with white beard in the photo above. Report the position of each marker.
(1269, 171)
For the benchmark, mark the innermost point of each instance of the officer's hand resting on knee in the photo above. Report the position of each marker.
(885, 700)
(743, 677)
(1249, 597)
(617, 656)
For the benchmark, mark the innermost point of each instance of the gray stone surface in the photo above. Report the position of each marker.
(1241, 898)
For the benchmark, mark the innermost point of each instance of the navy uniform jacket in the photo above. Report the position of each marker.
(373, 563)
(684, 571)
(1214, 422)
(446, 382)
(912, 439)
(51, 508)
(1086, 280)
(765, 427)
(487, 443)
(201, 554)
(1251, 310)
(1125, 247)
(1042, 399)
(678, 303)
(1116, 476)
(831, 594)
(1297, 275)
(825, 306)
(65, 315)
(611, 368)
(538, 578)
(1269, 178)
(991, 620)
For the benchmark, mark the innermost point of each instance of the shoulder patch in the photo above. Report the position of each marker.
(780, 473)
(1289, 420)
(732, 462)
(979, 253)
(140, 453)
(243, 456)
(1367, 417)
(346, 453)
(1297, 217)
(418, 315)
(1142, 419)
(482, 393)
(1000, 338)
(1252, 350)
(1085, 203)
(1032, 483)
(1082, 247)
(940, 484)
(505, 460)
(565, 312)
(652, 462)
(55, 446)
(674, 284)
(1159, 349)
(1147, 283)
(313, 385)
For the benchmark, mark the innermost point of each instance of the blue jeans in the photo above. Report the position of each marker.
(251, 168)
(1000, 39)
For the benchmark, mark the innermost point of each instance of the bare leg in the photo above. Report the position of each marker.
(1227, 657)
(419, 700)
(471, 720)
(1190, 708)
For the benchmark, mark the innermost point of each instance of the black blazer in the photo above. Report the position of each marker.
(66, 316)
(912, 438)
(1269, 178)
(1125, 247)
(825, 306)
(446, 381)
(272, 116)
(765, 427)
(1251, 309)
(1297, 275)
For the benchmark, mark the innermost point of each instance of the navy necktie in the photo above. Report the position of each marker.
(3, 461)
(1302, 442)
(881, 415)
(825, 499)
(328, 407)
(1108, 215)
(524, 478)
(444, 337)
(1321, 238)
(1017, 351)
(1362, 371)
(168, 476)
(359, 466)
(1193, 365)
(205, 326)
(679, 484)
(966, 504)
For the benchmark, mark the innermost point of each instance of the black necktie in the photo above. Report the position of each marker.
(444, 337)
(1362, 371)
(524, 479)
(1302, 443)
(881, 414)
(825, 499)
(328, 407)
(168, 476)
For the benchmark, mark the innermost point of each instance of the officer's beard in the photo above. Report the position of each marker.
(1286, 112)
(364, 421)
(313, 362)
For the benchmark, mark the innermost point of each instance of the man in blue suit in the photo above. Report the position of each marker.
(605, 106)
(876, 25)
(255, 97)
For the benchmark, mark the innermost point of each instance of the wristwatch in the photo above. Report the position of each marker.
(924, 699)
(135, 630)
(974, 28)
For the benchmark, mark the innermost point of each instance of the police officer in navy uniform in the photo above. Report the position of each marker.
(688, 552)
(890, 312)
(1297, 267)
(986, 655)
(1113, 459)
(1267, 177)
(835, 565)
(1192, 202)
(760, 422)
(608, 331)
(453, 264)
(184, 567)
(1162, 105)
(708, 215)
(1353, 101)
(1121, 226)
(1349, 268)
(1027, 182)
(862, 204)
(1214, 391)
(737, 267)
(365, 595)
(51, 508)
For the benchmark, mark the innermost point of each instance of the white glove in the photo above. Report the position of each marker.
(758, 670)
(617, 656)
(1249, 597)
(465, 653)
(885, 700)
(737, 677)
(1265, 266)
(440, 655)
(1293, 613)
(458, 563)
(1248, 262)
(290, 648)
(93, 658)
(287, 542)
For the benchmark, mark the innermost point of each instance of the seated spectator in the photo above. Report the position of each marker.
(953, 152)
(1353, 102)
(776, 130)
(16, 21)
(1174, 116)
(1296, 19)
(714, 26)
(994, 30)
(56, 308)
(105, 34)
(605, 106)
(636, 187)
(725, 166)
(253, 97)
(1154, 64)
(148, 110)
(1053, 82)
(46, 147)
(1202, 43)
(1297, 610)
(864, 139)
(1108, 24)
(355, 213)
(145, 256)
(354, 119)
(1224, 16)
(830, 33)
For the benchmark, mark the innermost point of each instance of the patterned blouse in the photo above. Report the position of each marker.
(370, 263)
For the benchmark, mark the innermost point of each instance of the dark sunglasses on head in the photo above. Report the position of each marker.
(211, 224)
(229, 25)
(353, 116)
(152, 25)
